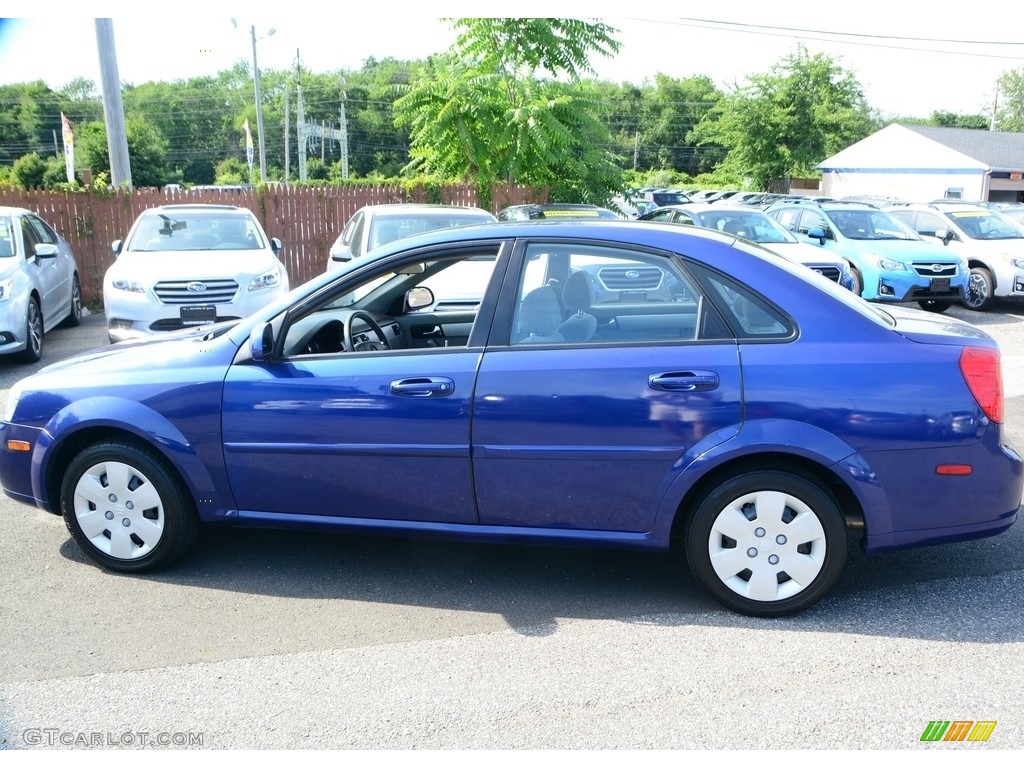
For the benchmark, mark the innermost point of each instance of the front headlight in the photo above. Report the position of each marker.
(6, 289)
(1018, 263)
(892, 266)
(268, 279)
(132, 286)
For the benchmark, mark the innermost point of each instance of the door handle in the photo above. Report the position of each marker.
(684, 381)
(426, 386)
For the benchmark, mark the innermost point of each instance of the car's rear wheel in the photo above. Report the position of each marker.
(980, 291)
(126, 508)
(33, 333)
(74, 317)
(934, 305)
(767, 543)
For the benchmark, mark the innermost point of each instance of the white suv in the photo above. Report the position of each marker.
(190, 265)
(992, 244)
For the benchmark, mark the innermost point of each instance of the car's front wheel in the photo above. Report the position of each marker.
(857, 281)
(74, 316)
(126, 508)
(33, 351)
(767, 543)
(934, 305)
(980, 292)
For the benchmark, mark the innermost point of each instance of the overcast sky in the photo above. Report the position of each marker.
(911, 58)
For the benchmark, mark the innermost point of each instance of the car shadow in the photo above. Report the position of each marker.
(960, 592)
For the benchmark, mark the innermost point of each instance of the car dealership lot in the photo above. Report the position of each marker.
(271, 639)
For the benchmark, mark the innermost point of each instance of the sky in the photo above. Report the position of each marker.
(910, 58)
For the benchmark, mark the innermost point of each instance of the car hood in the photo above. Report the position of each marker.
(8, 266)
(1013, 247)
(907, 250)
(192, 265)
(804, 253)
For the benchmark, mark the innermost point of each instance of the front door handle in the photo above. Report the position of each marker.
(425, 386)
(684, 381)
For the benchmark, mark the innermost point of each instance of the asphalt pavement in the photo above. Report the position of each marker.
(285, 640)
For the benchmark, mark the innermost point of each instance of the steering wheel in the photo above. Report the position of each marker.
(364, 346)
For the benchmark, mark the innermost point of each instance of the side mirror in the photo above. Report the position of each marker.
(945, 235)
(116, 247)
(818, 234)
(261, 342)
(275, 245)
(418, 298)
(341, 256)
(45, 250)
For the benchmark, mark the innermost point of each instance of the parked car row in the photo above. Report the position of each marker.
(618, 384)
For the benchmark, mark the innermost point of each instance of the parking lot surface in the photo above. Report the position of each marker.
(269, 639)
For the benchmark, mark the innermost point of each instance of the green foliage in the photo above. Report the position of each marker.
(28, 171)
(1010, 115)
(782, 123)
(231, 170)
(481, 115)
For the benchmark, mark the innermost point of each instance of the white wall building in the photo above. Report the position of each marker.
(919, 163)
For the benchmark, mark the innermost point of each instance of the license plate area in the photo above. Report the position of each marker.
(940, 284)
(202, 315)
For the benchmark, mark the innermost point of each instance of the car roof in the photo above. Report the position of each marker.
(10, 210)
(399, 209)
(198, 208)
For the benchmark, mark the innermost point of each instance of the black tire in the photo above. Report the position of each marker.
(777, 520)
(126, 508)
(934, 305)
(74, 318)
(33, 351)
(858, 281)
(981, 291)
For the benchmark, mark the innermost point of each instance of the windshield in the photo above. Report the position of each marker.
(986, 225)
(192, 231)
(751, 225)
(6, 238)
(870, 225)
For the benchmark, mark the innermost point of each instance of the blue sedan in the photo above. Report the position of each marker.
(613, 384)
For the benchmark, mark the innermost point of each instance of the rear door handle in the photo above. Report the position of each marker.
(684, 381)
(425, 386)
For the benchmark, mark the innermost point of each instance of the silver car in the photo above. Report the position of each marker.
(375, 225)
(39, 283)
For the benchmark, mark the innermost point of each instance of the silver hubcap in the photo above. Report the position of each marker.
(35, 327)
(767, 546)
(119, 510)
(977, 290)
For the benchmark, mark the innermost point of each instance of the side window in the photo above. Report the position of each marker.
(6, 238)
(595, 294)
(929, 224)
(28, 234)
(788, 218)
(750, 316)
(683, 218)
(813, 220)
(42, 230)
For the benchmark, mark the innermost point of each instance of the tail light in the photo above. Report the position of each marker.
(981, 370)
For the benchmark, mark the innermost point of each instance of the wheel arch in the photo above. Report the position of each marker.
(88, 421)
(825, 477)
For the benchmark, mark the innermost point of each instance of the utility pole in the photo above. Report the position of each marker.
(286, 153)
(113, 108)
(995, 108)
(344, 133)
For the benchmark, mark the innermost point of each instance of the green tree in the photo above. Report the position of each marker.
(1010, 114)
(28, 171)
(484, 115)
(784, 122)
(147, 150)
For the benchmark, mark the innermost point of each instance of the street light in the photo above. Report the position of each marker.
(259, 103)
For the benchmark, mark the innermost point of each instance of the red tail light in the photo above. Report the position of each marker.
(981, 370)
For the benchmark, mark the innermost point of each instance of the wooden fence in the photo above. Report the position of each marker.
(306, 219)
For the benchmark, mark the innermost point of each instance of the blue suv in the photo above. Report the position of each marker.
(888, 260)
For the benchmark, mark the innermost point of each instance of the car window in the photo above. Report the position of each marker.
(752, 226)
(985, 225)
(583, 293)
(30, 238)
(196, 231)
(42, 230)
(6, 238)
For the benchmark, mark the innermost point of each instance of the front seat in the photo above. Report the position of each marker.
(540, 316)
(578, 297)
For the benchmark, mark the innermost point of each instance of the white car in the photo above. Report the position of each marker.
(39, 283)
(992, 244)
(189, 265)
(375, 225)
